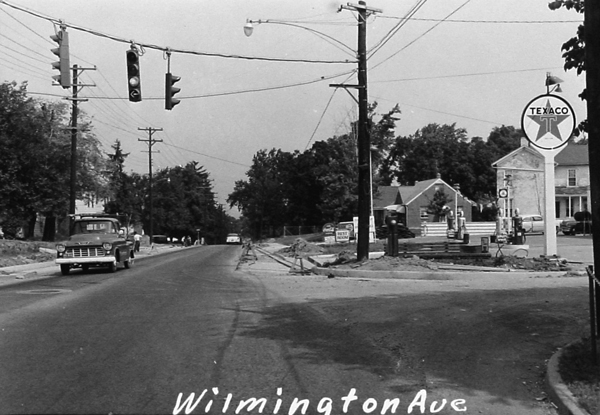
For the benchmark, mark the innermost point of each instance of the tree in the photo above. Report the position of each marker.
(574, 49)
(183, 202)
(125, 191)
(33, 159)
(446, 150)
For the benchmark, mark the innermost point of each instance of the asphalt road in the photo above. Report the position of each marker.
(179, 323)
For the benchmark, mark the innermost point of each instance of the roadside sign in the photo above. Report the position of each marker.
(503, 193)
(548, 122)
(342, 235)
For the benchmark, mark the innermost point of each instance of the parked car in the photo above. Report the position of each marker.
(234, 239)
(581, 223)
(533, 223)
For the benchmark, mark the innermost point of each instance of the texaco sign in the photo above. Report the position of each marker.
(548, 122)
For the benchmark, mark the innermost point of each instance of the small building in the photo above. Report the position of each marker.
(412, 203)
(521, 173)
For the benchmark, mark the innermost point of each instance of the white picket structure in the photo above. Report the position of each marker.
(473, 228)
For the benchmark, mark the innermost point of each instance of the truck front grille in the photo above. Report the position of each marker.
(84, 252)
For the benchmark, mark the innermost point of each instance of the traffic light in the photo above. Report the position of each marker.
(63, 64)
(170, 90)
(133, 75)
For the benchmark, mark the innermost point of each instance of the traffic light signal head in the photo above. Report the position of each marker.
(170, 90)
(63, 64)
(133, 75)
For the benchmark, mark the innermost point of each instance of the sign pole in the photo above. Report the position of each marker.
(550, 246)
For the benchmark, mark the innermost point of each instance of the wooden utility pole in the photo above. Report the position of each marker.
(74, 113)
(151, 141)
(592, 71)
(364, 138)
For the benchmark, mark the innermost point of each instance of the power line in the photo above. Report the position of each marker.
(422, 35)
(483, 21)
(172, 50)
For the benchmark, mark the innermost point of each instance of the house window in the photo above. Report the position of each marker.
(424, 214)
(572, 177)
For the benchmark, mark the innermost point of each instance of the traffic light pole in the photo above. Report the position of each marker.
(151, 141)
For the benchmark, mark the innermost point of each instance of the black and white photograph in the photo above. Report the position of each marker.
(299, 207)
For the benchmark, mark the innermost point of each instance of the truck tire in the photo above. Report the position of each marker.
(64, 269)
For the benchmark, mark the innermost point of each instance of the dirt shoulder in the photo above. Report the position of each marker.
(484, 338)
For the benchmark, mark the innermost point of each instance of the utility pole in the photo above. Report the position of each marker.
(74, 113)
(151, 141)
(592, 64)
(364, 138)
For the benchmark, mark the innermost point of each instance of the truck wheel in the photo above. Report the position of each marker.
(64, 269)
(112, 267)
(129, 263)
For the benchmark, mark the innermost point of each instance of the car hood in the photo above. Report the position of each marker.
(91, 239)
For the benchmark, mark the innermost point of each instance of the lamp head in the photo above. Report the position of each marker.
(248, 28)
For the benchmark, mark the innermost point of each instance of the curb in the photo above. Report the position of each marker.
(559, 394)
(424, 275)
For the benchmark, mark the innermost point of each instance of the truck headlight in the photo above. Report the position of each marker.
(60, 248)
(107, 246)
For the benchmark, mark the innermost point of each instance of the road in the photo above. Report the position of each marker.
(182, 323)
(144, 340)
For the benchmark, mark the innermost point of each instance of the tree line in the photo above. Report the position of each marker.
(35, 147)
(319, 185)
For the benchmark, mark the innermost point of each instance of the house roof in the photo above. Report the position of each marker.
(573, 155)
(409, 193)
(385, 196)
(500, 162)
(404, 195)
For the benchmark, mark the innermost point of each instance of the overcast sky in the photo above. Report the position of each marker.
(475, 63)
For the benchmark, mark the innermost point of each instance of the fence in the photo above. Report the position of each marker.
(473, 228)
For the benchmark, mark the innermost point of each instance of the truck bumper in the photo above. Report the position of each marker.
(91, 260)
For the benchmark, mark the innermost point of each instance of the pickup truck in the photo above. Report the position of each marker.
(95, 241)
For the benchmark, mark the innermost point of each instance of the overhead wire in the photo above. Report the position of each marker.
(422, 35)
(173, 50)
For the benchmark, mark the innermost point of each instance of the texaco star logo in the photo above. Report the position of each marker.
(548, 121)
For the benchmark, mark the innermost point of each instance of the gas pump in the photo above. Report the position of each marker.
(518, 233)
(392, 240)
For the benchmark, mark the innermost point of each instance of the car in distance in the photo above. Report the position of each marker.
(581, 223)
(234, 239)
(95, 241)
(533, 223)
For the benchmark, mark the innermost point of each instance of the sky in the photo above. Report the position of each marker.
(473, 63)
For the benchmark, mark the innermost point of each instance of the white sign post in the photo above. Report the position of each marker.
(548, 122)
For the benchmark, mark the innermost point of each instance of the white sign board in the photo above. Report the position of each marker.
(342, 235)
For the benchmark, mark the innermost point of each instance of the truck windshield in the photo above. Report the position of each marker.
(94, 227)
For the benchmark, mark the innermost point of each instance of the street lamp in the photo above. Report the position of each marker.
(249, 29)
(364, 139)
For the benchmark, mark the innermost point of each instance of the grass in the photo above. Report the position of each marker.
(582, 377)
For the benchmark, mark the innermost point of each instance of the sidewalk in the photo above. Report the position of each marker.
(18, 274)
